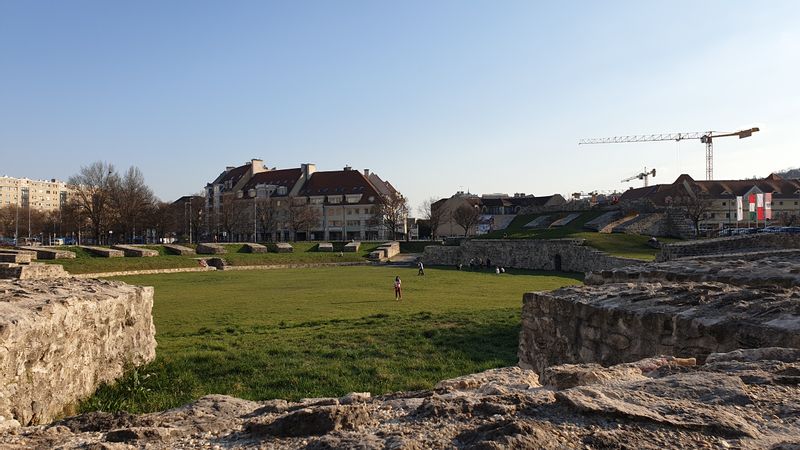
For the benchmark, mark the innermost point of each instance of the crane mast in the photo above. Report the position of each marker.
(706, 137)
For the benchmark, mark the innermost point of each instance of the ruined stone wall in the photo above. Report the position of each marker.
(732, 244)
(685, 308)
(60, 339)
(569, 255)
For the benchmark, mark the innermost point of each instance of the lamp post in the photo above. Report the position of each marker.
(110, 236)
(253, 192)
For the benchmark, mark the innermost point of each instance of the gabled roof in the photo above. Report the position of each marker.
(340, 182)
(234, 175)
(282, 177)
(779, 187)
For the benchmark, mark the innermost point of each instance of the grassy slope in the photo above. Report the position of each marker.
(322, 332)
(619, 244)
(304, 252)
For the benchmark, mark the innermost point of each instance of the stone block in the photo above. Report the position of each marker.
(103, 252)
(130, 250)
(17, 258)
(50, 253)
(325, 247)
(176, 249)
(57, 345)
(352, 246)
(282, 247)
(208, 248)
(254, 248)
(32, 271)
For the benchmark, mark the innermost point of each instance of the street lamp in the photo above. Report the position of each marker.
(255, 215)
(110, 235)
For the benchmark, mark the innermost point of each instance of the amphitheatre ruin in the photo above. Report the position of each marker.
(697, 349)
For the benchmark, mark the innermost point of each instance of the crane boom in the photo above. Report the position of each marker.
(705, 137)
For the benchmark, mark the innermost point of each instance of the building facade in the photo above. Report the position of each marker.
(41, 195)
(493, 211)
(253, 202)
(717, 198)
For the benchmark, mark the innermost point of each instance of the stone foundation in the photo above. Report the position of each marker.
(728, 245)
(211, 249)
(175, 249)
(254, 248)
(137, 252)
(60, 339)
(568, 255)
(49, 253)
(33, 271)
(686, 308)
(103, 252)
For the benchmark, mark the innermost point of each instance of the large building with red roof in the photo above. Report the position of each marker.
(253, 200)
(720, 197)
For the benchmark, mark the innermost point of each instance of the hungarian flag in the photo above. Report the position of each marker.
(768, 205)
(739, 213)
(751, 203)
(760, 206)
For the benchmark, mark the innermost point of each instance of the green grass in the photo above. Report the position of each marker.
(304, 252)
(297, 333)
(618, 244)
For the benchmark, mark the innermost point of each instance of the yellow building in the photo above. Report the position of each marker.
(42, 195)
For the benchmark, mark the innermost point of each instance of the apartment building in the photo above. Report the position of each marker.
(42, 195)
(253, 201)
(719, 198)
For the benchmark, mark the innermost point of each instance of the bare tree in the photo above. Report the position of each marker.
(391, 212)
(695, 205)
(433, 211)
(266, 215)
(302, 216)
(466, 216)
(92, 195)
(131, 200)
(231, 216)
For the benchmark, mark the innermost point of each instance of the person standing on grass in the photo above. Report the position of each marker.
(421, 270)
(398, 293)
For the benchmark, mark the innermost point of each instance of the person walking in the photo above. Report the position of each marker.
(421, 270)
(398, 292)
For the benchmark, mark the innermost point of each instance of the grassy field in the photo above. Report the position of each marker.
(297, 333)
(304, 252)
(618, 244)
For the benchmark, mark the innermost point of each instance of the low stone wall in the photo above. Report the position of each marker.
(139, 252)
(251, 247)
(619, 323)
(17, 258)
(30, 253)
(282, 247)
(144, 272)
(324, 247)
(211, 249)
(49, 253)
(569, 255)
(732, 244)
(352, 246)
(33, 271)
(179, 249)
(103, 252)
(685, 308)
(60, 341)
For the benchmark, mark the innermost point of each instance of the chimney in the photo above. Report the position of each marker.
(346, 168)
(229, 168)
(257, 166)
(307, 169)
(366, 173)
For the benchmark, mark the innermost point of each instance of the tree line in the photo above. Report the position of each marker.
(106, 206)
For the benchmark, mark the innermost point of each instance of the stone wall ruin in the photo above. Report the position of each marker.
(686, 308)
(61, 338)
(568, 255)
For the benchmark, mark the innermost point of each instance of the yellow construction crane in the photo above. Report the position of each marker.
(641, 176)
(706, 137)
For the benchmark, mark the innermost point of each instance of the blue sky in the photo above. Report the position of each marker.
(433, 96)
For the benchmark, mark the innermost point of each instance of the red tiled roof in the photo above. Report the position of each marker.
(234, 175)
(341, 182)
(282, 177)
(779, 187)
